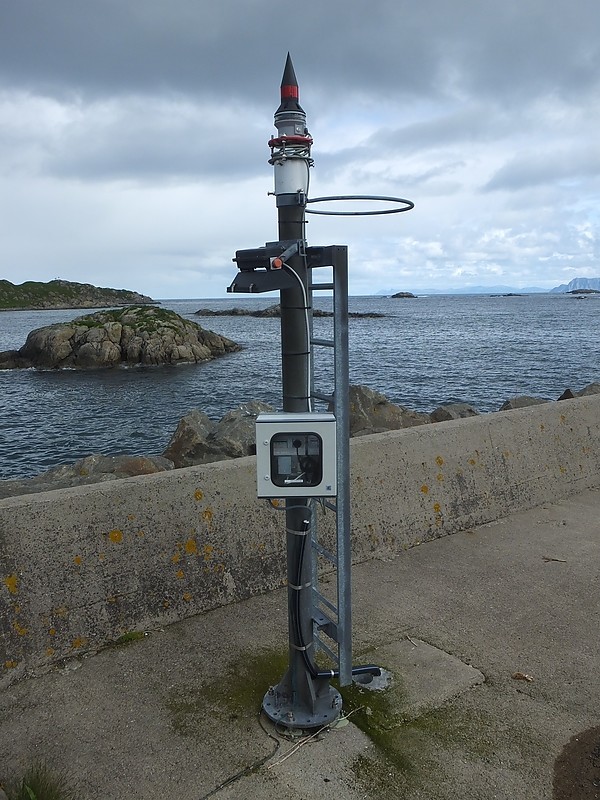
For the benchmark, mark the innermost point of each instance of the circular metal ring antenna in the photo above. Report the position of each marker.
(403, 205)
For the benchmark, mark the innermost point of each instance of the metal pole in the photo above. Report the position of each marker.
(302, 698)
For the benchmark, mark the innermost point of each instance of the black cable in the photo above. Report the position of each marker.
(247, 770)
(367, 669)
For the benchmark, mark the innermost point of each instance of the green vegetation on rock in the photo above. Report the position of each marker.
(63, 294)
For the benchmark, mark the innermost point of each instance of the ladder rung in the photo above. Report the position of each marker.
(327, 603)
(327, 398)
(323, 342)
(317, 286)
(327, 650)
(325, 553)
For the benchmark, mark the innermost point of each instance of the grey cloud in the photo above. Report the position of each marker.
(234, 49)
(535, 168)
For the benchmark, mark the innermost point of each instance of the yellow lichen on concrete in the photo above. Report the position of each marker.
(11, 582)
(191, 547)
(78, 560)
(207, 515)
(176, 558)
(198, 495)
(208, 551)
(437, 508)
(79, 642)
(19, 628)
(116, 536)
(187, 596)
(425, 489)
(439, 461)
(179, 574)
(11, 664)
(50, 651)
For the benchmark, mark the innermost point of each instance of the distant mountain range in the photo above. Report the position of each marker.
(577, 285)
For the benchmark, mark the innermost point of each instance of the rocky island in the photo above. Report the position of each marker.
(125, 336)
(33, 295)
(275, 311)
(403, 296)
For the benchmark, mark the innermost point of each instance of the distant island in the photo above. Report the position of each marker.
(403, 295)
(275, 311)
(578, 285)
(33, 295)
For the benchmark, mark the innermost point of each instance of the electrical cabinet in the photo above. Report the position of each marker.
(296, 455)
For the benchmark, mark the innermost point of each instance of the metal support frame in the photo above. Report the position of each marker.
(304, 697)
(301, 699)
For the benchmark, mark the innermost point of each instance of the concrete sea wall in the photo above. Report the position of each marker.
(80, 568)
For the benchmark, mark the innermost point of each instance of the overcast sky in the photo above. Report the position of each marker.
(133, 138)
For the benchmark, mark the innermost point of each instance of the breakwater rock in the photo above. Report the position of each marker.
(200, 440)
(275, 311)
(91, 469)
(64, 294)
(132, 335)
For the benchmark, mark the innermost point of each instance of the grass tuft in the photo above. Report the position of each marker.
(42, 783)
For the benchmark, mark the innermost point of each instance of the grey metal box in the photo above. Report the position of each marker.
(296, 455)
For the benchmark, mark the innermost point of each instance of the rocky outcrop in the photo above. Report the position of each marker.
(198, 440)
(591, 388)
(453, 411)
(372, 412)
(92, 469)
(64, 294)
(134, 335)
(275, 311)
(521, 401)
(403, 295)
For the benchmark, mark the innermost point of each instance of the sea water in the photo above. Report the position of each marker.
(422, 353)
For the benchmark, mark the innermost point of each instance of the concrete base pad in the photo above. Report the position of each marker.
(423, 678)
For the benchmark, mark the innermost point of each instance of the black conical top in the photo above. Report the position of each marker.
(289, 89)
(289, 76)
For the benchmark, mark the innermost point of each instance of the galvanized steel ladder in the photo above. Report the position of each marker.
(332, 617)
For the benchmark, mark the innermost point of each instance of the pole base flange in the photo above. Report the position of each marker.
(280, 708)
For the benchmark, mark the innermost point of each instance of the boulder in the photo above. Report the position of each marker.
(372, 412)
(189, 444)
(591, 388)
(198, 440)
(453, 411)
(133, 335)
(521, 401)
(91, 469)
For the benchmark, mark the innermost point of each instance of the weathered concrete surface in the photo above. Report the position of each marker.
(423, 678)
(80, 567)
(175, 714)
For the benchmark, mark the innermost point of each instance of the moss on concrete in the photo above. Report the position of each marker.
(236, 692)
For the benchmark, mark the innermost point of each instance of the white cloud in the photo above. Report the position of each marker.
(133, 139)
